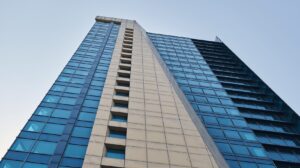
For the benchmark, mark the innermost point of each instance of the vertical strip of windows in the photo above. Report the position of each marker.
(117, 127)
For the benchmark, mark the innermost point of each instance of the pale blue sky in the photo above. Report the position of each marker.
(38, 37)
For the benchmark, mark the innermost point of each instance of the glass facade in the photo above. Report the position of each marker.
(222, 112)
(274, 123)
(58, 132)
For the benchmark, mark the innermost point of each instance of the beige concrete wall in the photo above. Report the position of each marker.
(160, 131)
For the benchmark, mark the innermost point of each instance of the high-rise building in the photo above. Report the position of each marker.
(128, 98)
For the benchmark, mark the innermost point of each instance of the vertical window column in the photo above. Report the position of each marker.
(117, 128)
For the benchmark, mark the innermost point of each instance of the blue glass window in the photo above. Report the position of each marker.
(75, 151)
(77, 80)
(219, 110)
(10, 164)
(44, 147)
(233, 164)
(215, 132)
(204, 108)
(33, 126)
(213, 100)
(23, 145)
(64, 79)
(117, 134)
(200, 99)
(59, 113)
(225, 148)
(210, 120)
(78, 72)
(221, 93)
(239, 123)
(248, 165)
(43, 111)
(248, 136)
(91, 103)
(58, 88)
(51, 99)
(232, 134)
(225, 121)
(73, 90)
(69, 71)
(87, 116)
(259, 152)
(94, 92)
(233, 111)
(54, 129)
(115, 153)
(34, 165)
(241, 150)
(67, 100)
(265, 166)
(226, 101)
(81, 132)
(119, 118)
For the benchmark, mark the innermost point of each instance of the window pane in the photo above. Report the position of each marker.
(23, 145)
(225, 148)
(43, 147)
(240, 123)
(34, 126)
(87, 116)
(67, 100)
(233, 164)
(233, 111)
(73, 90)
(238, 149)
(209, 91)
(213, 100)
(54, 129)
(219, 110)
(58, 88)
(64, 79)
(119, 118)
(259, 152)
(75, 151)
(94, 92)
(43, 111)
(248, 165)
(226, 101)
(248, 136)
(69, 71)
(210, 120)
(51, 99)
(265, 166)
(204, 108)
(91, 103)
(81, 132)
(114, 153)
(117, 134)
(215, 132)
(10, 164)
(232, 134)
(77, 80)
(34, 165)
(59, 113)
(200, 99)
(225, 121)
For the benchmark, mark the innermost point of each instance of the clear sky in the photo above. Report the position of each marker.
(37, 38)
